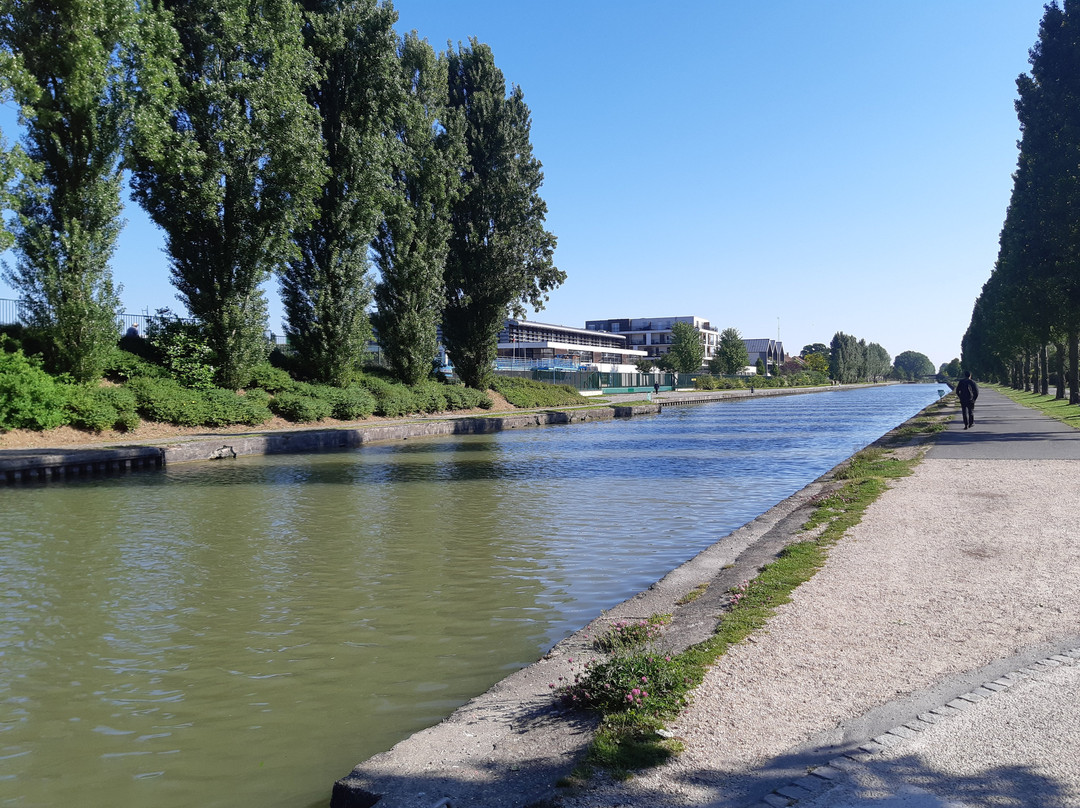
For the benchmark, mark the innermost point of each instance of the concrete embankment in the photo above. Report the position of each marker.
(43, 465)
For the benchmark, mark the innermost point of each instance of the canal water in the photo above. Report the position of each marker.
(244, 632)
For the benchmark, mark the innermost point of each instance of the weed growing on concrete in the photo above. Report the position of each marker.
(625, 635)
(693, 594)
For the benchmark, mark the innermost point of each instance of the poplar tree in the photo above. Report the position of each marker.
(500, 255)
(878, 362)
(731, 355)
(62, 66)
(687, 351)
(326, 287)
(1033, 294)
(226, 157)
(412, 242)
(845, 358)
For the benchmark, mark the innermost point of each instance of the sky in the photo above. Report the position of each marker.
(792, 168)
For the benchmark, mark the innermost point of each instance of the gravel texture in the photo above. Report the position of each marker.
(947, 573)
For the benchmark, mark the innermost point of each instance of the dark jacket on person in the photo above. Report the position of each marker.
(967, 391)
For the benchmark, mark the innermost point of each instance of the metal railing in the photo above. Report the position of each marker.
(13, 312)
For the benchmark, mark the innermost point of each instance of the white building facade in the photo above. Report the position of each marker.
(653, 334)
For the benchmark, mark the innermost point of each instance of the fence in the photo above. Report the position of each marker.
(595, 380)
(13, 312)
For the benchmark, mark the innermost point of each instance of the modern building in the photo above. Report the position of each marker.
(769, 351)
(523, 341)
(653, 334)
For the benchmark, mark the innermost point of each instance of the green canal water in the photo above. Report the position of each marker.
(244, 632)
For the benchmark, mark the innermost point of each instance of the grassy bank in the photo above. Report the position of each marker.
(1058, 409)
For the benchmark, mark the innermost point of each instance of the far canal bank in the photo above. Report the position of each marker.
(49, 464)
(245, 631)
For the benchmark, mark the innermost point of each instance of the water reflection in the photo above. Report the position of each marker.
(247, 631)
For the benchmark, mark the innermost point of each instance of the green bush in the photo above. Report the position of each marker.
(226, 407)
(430, 397)
(124, 365)
(725, 383)
(100, 408)
(300, 408)
(351, 403)
(271, 379)
(182, 349)
(476, 399)
(391, 398)
(166, 400)
(29, 397)
(531, 394)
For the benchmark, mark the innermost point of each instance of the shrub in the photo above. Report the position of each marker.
(352, 403)
(182, 349)
(124, 365)
(300, 408)
(625, 635)
(271, 379)
(649, 682)
(226, 407)
(29, 397)
(477, 398)
(168, 401)
(430, 397)
(391, 398)
(529, 393)
(100, 408)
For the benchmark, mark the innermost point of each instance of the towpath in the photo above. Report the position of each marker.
(934, 661)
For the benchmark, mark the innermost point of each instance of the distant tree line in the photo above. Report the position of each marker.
(852, 360)
(846, 359)
(297, 139)
(1025, 324)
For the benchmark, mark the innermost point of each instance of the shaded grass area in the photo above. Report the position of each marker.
(1058, 409)
(636, 690)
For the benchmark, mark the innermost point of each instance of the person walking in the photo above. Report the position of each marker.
(967, 391)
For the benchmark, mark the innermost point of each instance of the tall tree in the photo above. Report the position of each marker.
(500, 254)
(63, 67)
(12, 158)
(731, 355)
(413, 240)
(845, 358)
(878, 362)
(226, 157)
(1046, 187)
(687, 351)
(326, 288)
(913, 365)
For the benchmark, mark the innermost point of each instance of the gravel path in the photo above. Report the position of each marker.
(951, 569)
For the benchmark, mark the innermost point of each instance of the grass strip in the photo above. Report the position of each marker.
(636, 690)
(1057, 408)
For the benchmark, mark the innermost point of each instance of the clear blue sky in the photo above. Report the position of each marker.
(821, 165)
